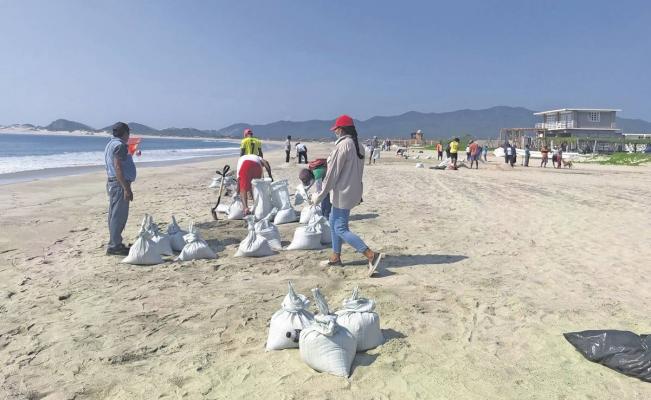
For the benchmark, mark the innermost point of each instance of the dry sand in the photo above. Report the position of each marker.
(485, 271)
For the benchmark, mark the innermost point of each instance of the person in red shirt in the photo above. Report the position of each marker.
(249, 167)
(474, 154)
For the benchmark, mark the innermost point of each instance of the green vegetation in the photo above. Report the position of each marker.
(626, 159)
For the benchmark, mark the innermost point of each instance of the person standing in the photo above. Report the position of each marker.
(439, 151)
(301, 152)
(344, 181)
(508, 154)
(527, 154)
(121, 173)
(474, 153)
(454, 151)
(559, 157)
(288, 148)
(485, 152)
(249, 167)
(545, 156)
(250, 144)
(514, 155)
(468, 151)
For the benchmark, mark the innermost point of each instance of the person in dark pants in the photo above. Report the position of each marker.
(527, 154)
(301, 152)
(507, 152)
(288, 148)
(439, 151)
(121, 173)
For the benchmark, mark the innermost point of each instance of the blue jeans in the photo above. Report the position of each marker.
(340, 232)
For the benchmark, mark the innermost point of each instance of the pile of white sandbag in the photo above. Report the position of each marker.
(286, 323)
(253, 245)
(195, 247)
(175, 233)
(323, 226)
(306, 237)
(162, 240)
(144, 250)
(325, 345)
(230, 184)
(359, 317)
(269, 231)
(281, 201)
(308, 212)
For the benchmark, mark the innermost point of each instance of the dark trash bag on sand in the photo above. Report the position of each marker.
(622, 351)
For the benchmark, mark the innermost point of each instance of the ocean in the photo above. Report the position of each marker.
(34, 152)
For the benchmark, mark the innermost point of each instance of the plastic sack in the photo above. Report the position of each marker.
(358, 317)
(262, 204)
(176, 234)
(280, 200)
(163, 241)
(420, 165)
(253, 245)
(236, 209)
(622, 351)
(270, 232)
(301, 195)
(307, 213)
(306, 237)
(144, 251)
(195, 247)
(325, 345)
(323, 226)
(293, 316)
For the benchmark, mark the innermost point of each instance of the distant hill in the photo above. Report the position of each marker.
(66, 125)
(477, 123)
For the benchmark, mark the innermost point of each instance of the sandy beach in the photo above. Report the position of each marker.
(485, 271)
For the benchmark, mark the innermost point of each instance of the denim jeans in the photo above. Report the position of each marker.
(340, 232)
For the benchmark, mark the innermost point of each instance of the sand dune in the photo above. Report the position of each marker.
(484, 272)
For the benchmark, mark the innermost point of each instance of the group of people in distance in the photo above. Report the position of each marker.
(337, 179)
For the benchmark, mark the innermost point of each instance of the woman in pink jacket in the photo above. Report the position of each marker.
(344, 181)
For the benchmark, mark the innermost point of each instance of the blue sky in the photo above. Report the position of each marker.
(208, 64)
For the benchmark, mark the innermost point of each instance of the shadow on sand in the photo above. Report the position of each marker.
(364, 359)
(359, 217)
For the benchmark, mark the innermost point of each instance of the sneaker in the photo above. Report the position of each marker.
(373, 264)
(119, 251)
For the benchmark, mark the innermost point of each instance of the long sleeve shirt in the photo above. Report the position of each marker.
(344, 176)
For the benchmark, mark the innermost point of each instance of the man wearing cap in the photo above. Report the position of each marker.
(250, 144)
(121, 172)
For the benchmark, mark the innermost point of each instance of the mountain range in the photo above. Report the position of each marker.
(484, 123)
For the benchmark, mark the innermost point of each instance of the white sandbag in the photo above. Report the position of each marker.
(223, 208)
(420, 165)
(286, 216)
(163, 241)
(306, 237)
(236, 209)
(358, 317)
(325, 345)
(301, 195)
(262, 204)
(195, 247)
(143, 251)
(270, 232)
(308, 211)
(176, 234)
(293, 316)
(229, 181)
(253, 245)
(323, 226)
(280, 199)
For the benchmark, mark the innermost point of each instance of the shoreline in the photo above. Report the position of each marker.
(35, 132)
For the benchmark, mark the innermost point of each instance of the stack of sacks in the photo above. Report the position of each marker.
(308, 211)
(262, 204)
(163, 241)
(269, 231)
(325, 345)
(175, 233)
(322, 226)
(236, 209)
(195, 247)
(144, 251)
(229, 182)
(280, 200)
(307, 237)
(293, 317)
(358, 317)
(253, 245)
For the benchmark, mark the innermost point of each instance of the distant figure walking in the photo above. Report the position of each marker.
(545, 156)
(447, 151)
(485, 152)
(439, 151)
(507, 152)
(514, 155)
(475, 152)
(468, 153)
(559, 157)
(288, 148)
(527, 154)
(301, 152)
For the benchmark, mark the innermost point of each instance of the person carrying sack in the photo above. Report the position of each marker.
(313, 175)
(249, 167)
(343, 180)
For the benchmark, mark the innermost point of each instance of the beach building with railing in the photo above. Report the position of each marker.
(580, 123)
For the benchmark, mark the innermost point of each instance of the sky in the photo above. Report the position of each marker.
(209, 64)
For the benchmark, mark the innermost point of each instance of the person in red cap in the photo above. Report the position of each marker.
(250, 144)
(343, 180)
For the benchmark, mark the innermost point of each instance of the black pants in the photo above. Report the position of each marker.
(286, 155)
(302, 155)
(440, 156)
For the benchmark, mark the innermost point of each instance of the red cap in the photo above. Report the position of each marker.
(343, 120)
(248, 131)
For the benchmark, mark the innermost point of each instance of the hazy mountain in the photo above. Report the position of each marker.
(631, 125)
(135, 128)
(66, 125)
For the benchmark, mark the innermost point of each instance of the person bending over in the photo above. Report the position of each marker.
(249, 167)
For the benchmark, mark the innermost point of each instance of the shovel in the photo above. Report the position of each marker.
(222, 173)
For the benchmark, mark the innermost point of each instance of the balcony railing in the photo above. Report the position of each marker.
(556, 125)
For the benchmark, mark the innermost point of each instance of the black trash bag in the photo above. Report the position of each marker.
(622, 351)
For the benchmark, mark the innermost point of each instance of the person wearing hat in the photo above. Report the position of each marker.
(343, 181)
(121, 173)
(250, 144)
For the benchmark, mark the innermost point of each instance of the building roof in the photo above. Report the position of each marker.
(577, 109)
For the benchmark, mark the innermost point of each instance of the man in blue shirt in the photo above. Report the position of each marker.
(121, 172)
